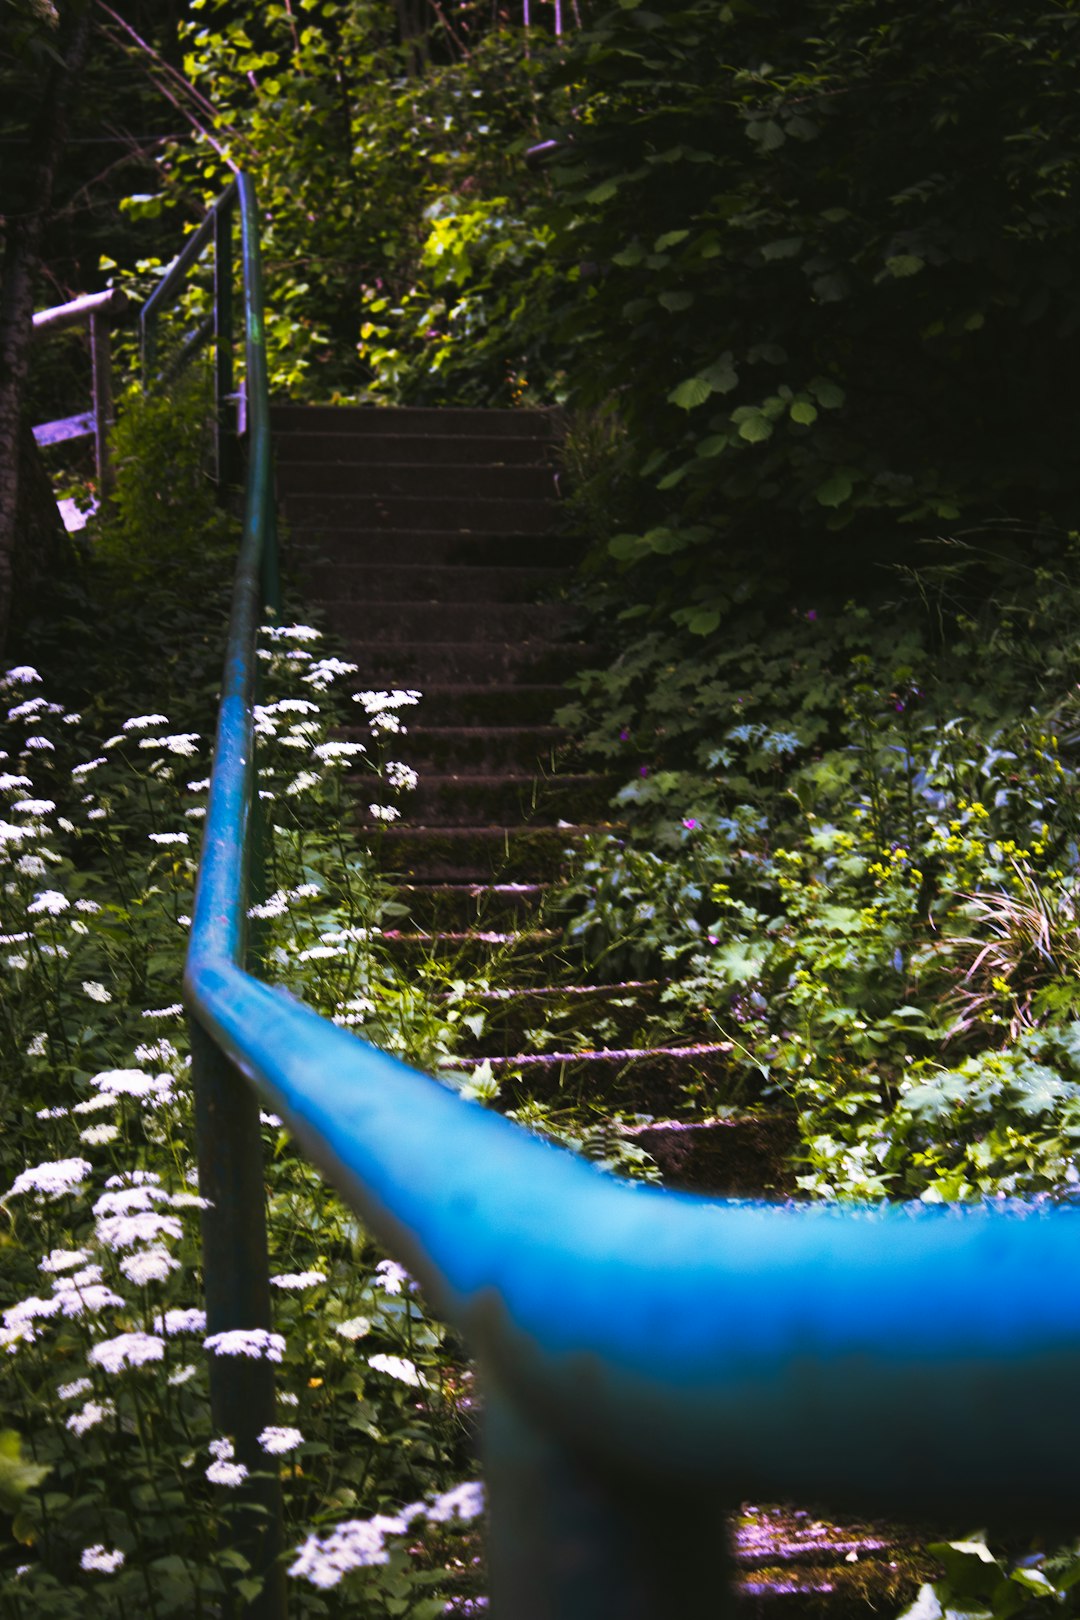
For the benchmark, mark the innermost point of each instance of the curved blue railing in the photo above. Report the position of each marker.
(649, 1357)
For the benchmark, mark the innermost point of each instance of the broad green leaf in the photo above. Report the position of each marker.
(669, 239)
(835, 490)
(721, 376)
(628, 257)
(766, 133)
(691, 393)
(755, 429)
(703, 622)
(829, 395)
(904, 264)
(675, 301)
(1035, 1581)
(802, 411)
(713, 445)
(785, 247)
(16, 1475)
(601, 193)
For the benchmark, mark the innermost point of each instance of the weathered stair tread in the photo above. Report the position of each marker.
(441, 419)
(411, 449)
(357, 580)
(434, 480)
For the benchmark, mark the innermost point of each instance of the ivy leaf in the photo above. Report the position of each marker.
(904, 264)
(691, 393)
(835, 490)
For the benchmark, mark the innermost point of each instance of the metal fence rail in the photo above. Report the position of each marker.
(649, 1359)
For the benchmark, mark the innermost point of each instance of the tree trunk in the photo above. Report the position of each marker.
(22, 233)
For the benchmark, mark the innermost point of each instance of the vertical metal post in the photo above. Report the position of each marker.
(237, 1285)
(225, 430)
(101, 374)
(569, 1541)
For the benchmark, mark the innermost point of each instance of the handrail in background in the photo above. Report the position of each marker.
(96, 311)
(649, 1358)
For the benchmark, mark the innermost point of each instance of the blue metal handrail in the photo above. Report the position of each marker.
(649, 1358)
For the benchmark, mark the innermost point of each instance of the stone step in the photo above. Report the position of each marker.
(453, 704)
(401, 449)
(483, 749)
(468, 800)
(528, 1017)
(475, 622)
(348, 480)
(352, 581)
(484, 854)
(456, 906)
(469, 951)
(450, 514)
(409, 664)
(305, 542)
(434, 421)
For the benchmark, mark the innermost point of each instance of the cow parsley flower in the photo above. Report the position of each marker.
(465, 1501)
(191, 1320)
(298, 1279)
(169, 838)
(79, 772)
(89, 1416)
(63, 1260)
(226, 1473)
(35, 807)
(20, 675)
(278, 1439)
(97, 1558)
(96, 991)
(384, 812)
(353, 1544)
(99, 1135)
(253, 1342)
(50, 901)
(401, 776)
(174, 1010)
(355, 1328)
(118, 1232)
(71, 1392)
(9, 781)
(40, 745)
(51, 1180)
(148, 1265)
(182, 1375)
(399, 1367)
(391, 1278)
(127, 1350)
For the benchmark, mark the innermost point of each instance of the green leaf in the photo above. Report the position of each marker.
(703, 622)
(669, 239)
(765, 133)
(829, 395)
(674, 301)
(904, 264)
(713, 445)
(16, 1476)
(835, 490)
(802, 411)
(1035, 1581)
(721, 376)
(628, 257)
(785, 247)
(601, 193)
(755, 429)
(691, 393)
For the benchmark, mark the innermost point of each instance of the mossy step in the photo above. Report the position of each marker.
(346, 541)
(352, 581)
(443, 481)
(478, 854)
(463, 801)
(653, 1080)
(450, 514)
(517, 1017)
(458, 906)
(485, 750)
(412, 449)
(431, 420)
(416, 664)
(793, 1564)
(472, 950)
(475, 622)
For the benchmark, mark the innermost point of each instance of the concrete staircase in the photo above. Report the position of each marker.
(431, 540)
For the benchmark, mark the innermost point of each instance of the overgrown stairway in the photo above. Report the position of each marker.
(432, 541)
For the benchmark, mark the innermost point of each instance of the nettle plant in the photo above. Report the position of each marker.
(115, 1486)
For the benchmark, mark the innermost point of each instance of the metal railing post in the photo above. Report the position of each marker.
(568, 1540)
(236, 1283)
(101, 377)
(225, 430)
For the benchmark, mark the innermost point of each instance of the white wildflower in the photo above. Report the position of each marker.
(183, 743)
(290, 632)
(9, 781)
(253, 1342)
(306, 891)
(147, 1266)
(191, 1320)
(169, 838)
(99, 1135)
(384, 812)
(96, 815)
(30, 866)
(174, 1010)
(96, 991)
(142, 722)
(298, 1279)
(465, 1501)
(330, 752)
(278, 1438)
(379, 702)
(399, 1367)
(303, 783)
(392, 1278)
(79, 772)
(88, 1416)
(353, 1544)
(20, 675)
(40, 745)
(183, 1374)
(118, 1232)
(63, 1260)
(273, 1120)
(226, 1473)
(96, 1557)
(401, 776)
(275, 906)
(39, 1047)
(127, 1350)
(50, 901)
(35, 807)
(52, 1180)
(324, 671)
(71, 1392)
(355, 1328)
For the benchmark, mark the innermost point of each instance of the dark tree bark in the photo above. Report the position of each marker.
(26, 209)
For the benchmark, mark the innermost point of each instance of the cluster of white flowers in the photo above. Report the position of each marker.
(323, 672)
(99, 1558)
(356, 1327)
(51, 1180)
(277, 1439)
(298, 1279)
(127, 1350)
(360, 1543)
(392, 1278)
(90, 1415)
(148, 1265)
(224, 1470)
(400, 776)
(143, 722)
(253, 1342)
(192, 1320)
(332, 753)
(384, 812)
(49, 901)
(290, 632)
(399, 1367)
